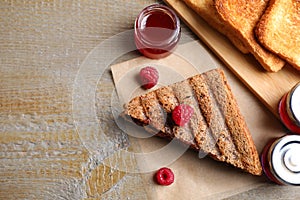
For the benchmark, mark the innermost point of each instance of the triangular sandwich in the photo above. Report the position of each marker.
(216, 126)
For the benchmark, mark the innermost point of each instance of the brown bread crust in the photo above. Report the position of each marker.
(216, 123)
(207, 11)
(242, 17)
(279, 29)
(216, 128)
(237, 127)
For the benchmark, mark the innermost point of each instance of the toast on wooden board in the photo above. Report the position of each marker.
(242, 16)
(279, 30)
(207, 11)
(216, 127)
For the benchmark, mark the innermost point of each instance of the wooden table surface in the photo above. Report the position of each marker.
(42, 46)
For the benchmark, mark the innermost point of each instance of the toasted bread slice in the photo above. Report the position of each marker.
(206, 10)
(279, 30)
(216, 126)
(242, 16)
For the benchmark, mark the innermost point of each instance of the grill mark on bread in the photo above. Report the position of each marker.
(153, 110)
(136, 110)
(138, 115)
(226, 138)
(235, 122)
(182, 92)
(168, 102)
(167, 98)
(218, 126)
(206, 141)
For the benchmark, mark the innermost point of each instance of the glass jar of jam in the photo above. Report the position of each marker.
(289, 109)
(156, 31)
(281, 161)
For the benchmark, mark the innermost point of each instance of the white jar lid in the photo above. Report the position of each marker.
(285, 160)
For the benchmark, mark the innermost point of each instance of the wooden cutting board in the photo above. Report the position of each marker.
(268, 87)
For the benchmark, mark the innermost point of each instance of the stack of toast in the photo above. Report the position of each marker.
(216, 128)
(268, 29)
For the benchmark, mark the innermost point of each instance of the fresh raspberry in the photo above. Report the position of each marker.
(149, 77)
(182, 114)
(164, 176)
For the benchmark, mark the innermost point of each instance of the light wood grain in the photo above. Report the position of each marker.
(268, 87)
(42, 45)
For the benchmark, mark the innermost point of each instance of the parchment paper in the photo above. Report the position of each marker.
(197, 178)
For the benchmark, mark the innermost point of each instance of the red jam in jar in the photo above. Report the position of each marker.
(280, 160)
(156, 31)
(289, 109)
(265, 162)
